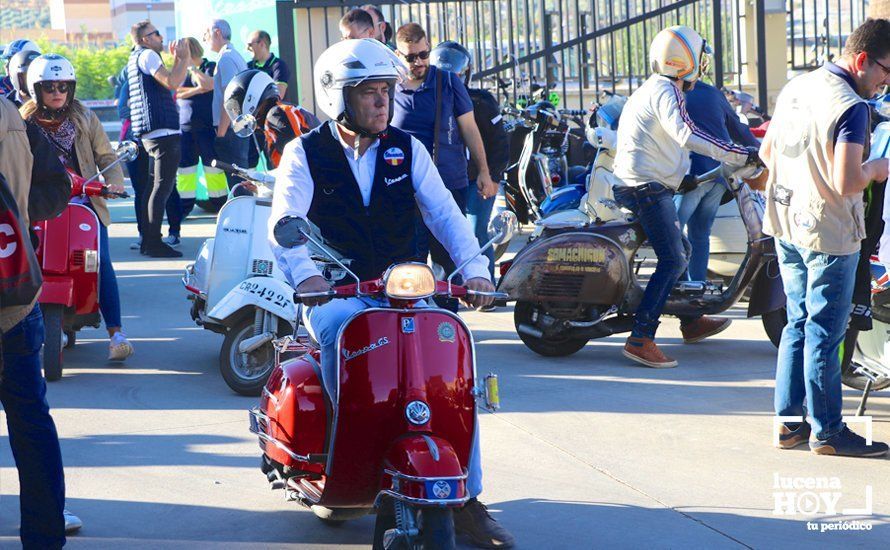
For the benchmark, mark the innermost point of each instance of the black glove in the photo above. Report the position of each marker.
(753, 157)
(689, 183)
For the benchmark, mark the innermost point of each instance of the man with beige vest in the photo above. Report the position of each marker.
(814, 150)
(41, 189)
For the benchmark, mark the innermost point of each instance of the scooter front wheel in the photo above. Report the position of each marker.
(246, 373)
(53, 319)
(552, 346)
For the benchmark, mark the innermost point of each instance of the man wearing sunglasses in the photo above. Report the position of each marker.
(816, 150)
(434, 107)
(155, 121)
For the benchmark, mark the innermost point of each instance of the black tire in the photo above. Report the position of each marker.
(548, 347)
(246, 379)
(437, 529)
(72, 338)
(336, 517)
(211, 206)
(53, 317)
(385, 520)
(773, 323)
(849, 376)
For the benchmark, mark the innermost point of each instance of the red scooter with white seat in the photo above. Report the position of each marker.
(397, 432)
(68, 253)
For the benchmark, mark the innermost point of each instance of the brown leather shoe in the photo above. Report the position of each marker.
(474, 522)
(704, 327)
(791, 438)
(645, 352)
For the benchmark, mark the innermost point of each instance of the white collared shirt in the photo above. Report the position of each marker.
(294, 190)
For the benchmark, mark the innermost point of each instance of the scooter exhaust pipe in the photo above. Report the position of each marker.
(254, 343)
(529, 330)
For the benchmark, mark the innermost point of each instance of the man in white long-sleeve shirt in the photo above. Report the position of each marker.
(359, 181)
(655, 135)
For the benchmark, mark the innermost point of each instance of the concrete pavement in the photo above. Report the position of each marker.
(587, 452)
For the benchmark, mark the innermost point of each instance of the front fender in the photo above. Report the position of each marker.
(424, 469)
(268, 293)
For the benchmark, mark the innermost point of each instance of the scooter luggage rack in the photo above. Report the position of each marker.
(289, 345)
(398, 477)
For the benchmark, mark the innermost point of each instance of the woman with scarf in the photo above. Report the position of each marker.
(82, 145)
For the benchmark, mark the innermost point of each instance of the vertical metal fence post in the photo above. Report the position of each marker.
(717, 22)
(287, 45)
(760, 20)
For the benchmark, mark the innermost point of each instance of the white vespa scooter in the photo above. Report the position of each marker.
(237, 288)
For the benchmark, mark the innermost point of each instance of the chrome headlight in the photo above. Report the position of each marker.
(409, 281)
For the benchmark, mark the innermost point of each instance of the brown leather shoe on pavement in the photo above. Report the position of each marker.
(474, 522)
(645, 352)
(704, 327)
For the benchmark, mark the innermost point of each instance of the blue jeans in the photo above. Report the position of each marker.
(808, 371)
(109, 296)
(479, 214)
(324, 321)
(697, 210)
(653, 206)
(32, 436)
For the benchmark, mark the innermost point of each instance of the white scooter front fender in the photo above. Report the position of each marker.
(270, 294)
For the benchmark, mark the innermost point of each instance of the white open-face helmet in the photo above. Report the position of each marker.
(347, 64)
(18, 69)
(679, 52)
(50, 67)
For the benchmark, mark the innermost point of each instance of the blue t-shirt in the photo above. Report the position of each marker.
(415, 113)
(853, 126)
(710, 111)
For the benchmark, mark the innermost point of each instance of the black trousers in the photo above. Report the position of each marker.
(165, 153)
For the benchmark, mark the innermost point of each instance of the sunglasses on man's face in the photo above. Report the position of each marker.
(56, 87)
(154, 32)
(411, 57)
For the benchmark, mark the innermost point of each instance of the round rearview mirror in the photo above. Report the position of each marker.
(291, 232)
(127, 151)
(244, 125)
(503, 227)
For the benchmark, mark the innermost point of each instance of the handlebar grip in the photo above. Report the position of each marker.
(224, 166)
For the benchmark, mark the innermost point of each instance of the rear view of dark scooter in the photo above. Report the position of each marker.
(576, 282)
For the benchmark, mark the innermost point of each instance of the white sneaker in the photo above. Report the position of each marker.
(120, 348)
(72, 522)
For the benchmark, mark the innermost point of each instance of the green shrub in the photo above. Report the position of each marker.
(93, 65)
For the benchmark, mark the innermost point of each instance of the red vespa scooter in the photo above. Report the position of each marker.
(396, 433)
(68, 252)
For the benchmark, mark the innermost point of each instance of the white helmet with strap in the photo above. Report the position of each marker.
(50, 67)
(347, 64)
(680, 53)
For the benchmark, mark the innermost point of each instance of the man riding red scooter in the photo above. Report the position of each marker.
(360, 182)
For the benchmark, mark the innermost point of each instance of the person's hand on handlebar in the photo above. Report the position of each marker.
(689, 183)
(116, 190)
(482, 285)
(753, 157)
(316, 283)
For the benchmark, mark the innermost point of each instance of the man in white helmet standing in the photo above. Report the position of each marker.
(359, 180)
(655, 135)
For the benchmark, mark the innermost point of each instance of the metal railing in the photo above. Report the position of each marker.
(818, 29)
(583, 47)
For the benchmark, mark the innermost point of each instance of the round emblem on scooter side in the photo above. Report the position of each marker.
(418, 413)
